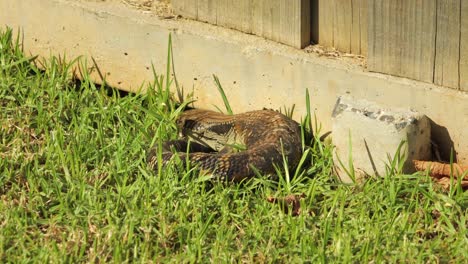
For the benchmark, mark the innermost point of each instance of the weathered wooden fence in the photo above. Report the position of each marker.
(341, 24)
(425, 40)
(285, 21)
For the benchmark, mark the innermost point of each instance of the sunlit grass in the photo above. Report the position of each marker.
(75, 187)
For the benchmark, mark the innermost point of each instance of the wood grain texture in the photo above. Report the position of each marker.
(294, 22)
(402, 38)
(355, 36)
(234, 14)
(207, 10)
(186, 8)
(464, 46)
(257, 17)
(326, 14)
(343, 22)
(447, 67)
(285, 21)
(363, 20)
(270, 17)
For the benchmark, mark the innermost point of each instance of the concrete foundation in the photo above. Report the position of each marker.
(255, 73)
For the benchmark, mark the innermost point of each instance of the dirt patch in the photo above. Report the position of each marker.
(161, 8)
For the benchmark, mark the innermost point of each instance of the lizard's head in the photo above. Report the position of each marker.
(206, 127)
(190, 122)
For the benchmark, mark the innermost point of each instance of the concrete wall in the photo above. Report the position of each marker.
(255, 73)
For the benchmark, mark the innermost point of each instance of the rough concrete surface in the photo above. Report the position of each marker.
(254, 72)
(371, 136)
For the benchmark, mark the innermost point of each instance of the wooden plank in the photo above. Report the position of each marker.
(341, 24)
(447, 70)
(343, 20)
(363, 19)
(285, 21)
(378, 25)
(186, 8)
(257, 17)
(243, 16)
(464, 46)
(355, 36)
(326, 19)
(358, 34)
(372, 34)
(294, 23)
(234, 14)
(270, 18)
(207, 10)
(402, 38)
(393, 43)
(222, 13)
(423, 19)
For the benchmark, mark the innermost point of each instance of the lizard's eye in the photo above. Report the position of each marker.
(189, 124)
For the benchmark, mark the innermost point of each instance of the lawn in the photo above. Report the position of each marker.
(75, 187)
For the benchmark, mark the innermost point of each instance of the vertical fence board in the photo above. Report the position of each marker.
(186, 8)
(285, 21)
(343, 20)
(448, 43)
(222, 13)
(294, 22)
(359, 27)
(234, 14)
(355, 41)
(424, 28)
(464, 46)
(392, 44)
(372, 36)
(326, 10)
(341, 24)
(402, 38)
(270, 17)
(245, 16)
(207, 10)
(363, 19)
(378, 25)
(257, 17)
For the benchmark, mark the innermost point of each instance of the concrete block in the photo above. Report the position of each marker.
(372, 135)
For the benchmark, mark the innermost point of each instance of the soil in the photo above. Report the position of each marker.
(162, 8)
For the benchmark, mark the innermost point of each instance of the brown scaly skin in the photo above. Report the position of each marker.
(266, 135)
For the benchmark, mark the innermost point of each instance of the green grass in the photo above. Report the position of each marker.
(75, 187)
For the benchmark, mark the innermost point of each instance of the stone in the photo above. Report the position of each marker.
(373, 135)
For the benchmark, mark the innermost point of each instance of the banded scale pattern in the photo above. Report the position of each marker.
(230, 146)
